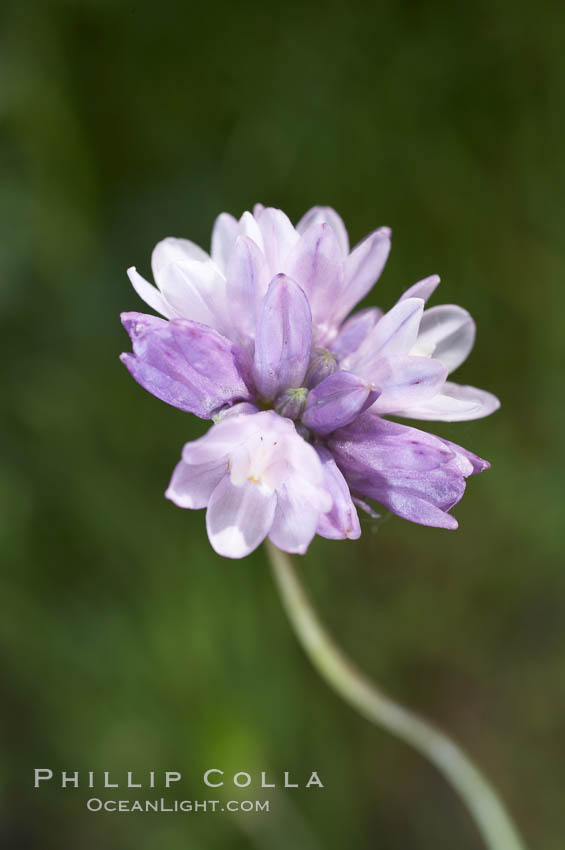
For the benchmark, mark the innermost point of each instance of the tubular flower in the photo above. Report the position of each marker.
(256, 337)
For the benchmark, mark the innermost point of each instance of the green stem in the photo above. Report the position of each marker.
(484, 804)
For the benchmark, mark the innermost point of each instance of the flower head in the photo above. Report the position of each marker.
(255, 336)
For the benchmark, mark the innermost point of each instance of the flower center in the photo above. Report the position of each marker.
(260, 461)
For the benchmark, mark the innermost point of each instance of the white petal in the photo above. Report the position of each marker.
(342, 521)
(448, 332)
(317, 215)
(395, 333)
(248, 227)
(150, 294)
(192, 486)
(173, 250)
(299, 506)
(304, 460)
(222, 438)
(196, 291)
(279, 237)
(294, 524)
(242, 407)
(247, 281)
(406, 382)
(423, 289)
(224, 234)
(455, 403)
(239, 518)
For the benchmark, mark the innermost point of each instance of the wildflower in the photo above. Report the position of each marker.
(256, 337)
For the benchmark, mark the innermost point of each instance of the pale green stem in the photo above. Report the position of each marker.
(484, 804)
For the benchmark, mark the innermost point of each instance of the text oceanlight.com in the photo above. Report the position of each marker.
(94, 804)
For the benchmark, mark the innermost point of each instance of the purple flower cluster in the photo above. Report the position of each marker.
(255, 337)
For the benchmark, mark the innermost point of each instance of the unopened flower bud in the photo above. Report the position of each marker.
(322, 364)
(291, 402)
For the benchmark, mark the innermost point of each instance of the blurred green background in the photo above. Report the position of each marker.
(126, 643)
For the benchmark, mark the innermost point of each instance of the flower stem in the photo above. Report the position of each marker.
(484, 804)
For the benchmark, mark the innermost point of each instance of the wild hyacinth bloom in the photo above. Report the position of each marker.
(256, 337)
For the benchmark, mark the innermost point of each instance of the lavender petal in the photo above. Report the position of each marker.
(316, 264)
(354, 331)
(414, 474)
(185, 364)
(317, 215)
(282, 339)
(337, 401)
(362, 269)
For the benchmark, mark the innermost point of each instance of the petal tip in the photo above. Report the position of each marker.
(128, 318)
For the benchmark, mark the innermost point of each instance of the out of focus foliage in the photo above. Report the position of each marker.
(126, 643)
